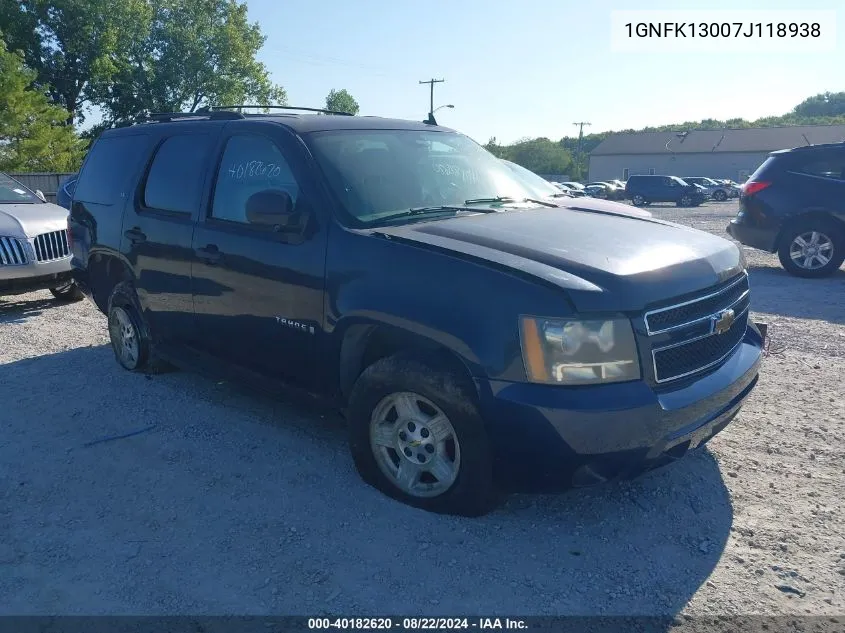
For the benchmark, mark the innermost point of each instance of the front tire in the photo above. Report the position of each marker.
(720, 196)
(68, 293)
(812, 249)
(416, 435)
(685, 201)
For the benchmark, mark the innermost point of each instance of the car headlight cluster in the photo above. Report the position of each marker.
(578, 352)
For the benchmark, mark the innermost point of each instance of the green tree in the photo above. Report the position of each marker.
(341, 101)
(196, 53)
(827, 104)
(71, 44)
(540, 155)
(133, 57)
(34, 135)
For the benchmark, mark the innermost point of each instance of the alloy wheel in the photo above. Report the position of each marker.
(811, 250)
(415, 444)
(124, 337)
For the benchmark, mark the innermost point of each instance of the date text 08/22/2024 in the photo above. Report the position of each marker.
(415, 624)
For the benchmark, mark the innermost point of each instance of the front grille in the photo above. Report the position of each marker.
(690, 337)
(677, 316)
(51, 246)
(12, 252)
(698, 354)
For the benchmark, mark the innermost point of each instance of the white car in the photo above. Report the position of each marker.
(34, 247)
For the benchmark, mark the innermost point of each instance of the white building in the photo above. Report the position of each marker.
(726, 153)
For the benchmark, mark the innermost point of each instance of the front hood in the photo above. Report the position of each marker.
(29, 220)
(607, 260)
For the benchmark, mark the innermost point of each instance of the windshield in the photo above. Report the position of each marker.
(377, 173)
(541, 187)
(13, 192)
(678, 180)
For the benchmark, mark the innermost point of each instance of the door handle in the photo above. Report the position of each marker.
(209, 254)
(135, 236)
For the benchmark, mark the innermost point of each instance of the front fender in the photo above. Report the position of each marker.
(462, 305)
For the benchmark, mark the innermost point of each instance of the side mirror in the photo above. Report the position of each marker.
(40, 194)
(271, 207)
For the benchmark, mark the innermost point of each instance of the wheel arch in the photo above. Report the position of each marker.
(805, 216)
(105, 271)
(364, 343)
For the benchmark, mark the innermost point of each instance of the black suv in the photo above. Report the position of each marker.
(643, 190)
(794, 205)
(474, 337)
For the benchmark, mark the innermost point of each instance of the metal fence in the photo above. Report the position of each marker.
(47, 182)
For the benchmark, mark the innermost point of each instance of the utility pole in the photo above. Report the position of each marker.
(580, 125)
(431, 82)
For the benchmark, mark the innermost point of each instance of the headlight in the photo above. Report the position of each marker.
(578, 352)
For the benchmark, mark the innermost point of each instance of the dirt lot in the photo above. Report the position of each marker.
(232, 503)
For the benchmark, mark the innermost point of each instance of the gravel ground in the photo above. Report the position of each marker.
(232, 503)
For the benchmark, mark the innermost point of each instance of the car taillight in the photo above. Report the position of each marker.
(754, 186)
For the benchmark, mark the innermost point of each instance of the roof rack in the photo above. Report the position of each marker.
(162, 117)
(269, 107)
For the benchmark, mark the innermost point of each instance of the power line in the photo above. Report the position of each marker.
(431, 82)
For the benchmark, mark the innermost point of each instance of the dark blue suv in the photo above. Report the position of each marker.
(643, 190)
(475, 338)
(794, 205)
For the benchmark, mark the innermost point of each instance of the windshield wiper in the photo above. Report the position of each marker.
(415, 211)
(492, 200)
(508, 200)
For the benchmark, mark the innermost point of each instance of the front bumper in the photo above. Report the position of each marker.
(548, 438)
(34, 276)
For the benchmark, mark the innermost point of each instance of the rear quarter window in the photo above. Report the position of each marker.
(108, 168)
(832, 167)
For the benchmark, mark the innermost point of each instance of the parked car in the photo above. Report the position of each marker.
(573, 185)
(715, 189)
(475, 340)
(64, 195)
(794, 205)
(576, 193)
(562, 196)
(643, 190)
(562, 188)
(598, 190)
(733, 189)
(33, 244)
(613, 192)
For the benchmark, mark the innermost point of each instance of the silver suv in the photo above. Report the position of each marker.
(34, 248)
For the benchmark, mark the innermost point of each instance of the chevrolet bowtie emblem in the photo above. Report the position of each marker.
(723, 321)
(414, 443)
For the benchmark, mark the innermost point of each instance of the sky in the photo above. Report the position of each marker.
(529, 68)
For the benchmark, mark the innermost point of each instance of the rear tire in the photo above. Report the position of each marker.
(130, 338)
(392, 406)
(68, 293)
(812, 248)
(639, 201)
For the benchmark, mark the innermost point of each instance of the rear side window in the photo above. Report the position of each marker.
(174, 182)
(827, 167)
(107, 170)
